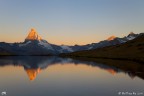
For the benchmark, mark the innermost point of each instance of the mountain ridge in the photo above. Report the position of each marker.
(35, 45)
(131, 50)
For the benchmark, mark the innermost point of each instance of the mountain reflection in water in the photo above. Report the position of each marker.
(33, 65)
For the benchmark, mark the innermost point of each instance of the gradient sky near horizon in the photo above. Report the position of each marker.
(70, 22)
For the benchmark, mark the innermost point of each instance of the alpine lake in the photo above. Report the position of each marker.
(57, 76)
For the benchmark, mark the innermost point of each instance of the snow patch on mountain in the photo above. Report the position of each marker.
(122, 40)
(130, 37)
(24, 44)
(66, 48)
(90, 48)
(46, 45)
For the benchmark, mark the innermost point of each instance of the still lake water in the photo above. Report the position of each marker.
(55, 76)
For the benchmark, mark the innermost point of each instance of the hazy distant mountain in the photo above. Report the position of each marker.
(35, 45)
(131, 50)
(113, 40)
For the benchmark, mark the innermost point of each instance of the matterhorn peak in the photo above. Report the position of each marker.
(111, 38)
(33, 35)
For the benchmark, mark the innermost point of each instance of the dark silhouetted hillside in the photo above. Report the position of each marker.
(131, 50)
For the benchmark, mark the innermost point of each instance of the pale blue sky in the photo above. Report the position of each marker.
(70, 21)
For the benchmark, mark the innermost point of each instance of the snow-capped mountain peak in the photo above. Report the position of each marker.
(131, 36)
(33, 35)
(131, 33)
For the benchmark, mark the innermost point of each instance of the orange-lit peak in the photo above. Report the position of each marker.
(32, 73)
(33, 35)
(111, 38)
(33, 30)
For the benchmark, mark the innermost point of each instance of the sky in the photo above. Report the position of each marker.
(70, 22)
